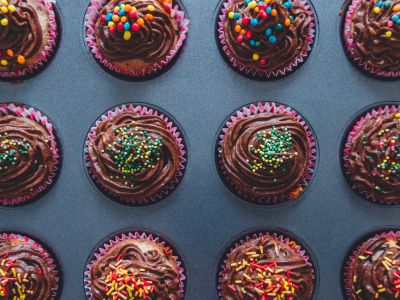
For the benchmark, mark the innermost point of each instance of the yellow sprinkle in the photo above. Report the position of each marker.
(111, 24)
(4, 22)
(256, 56)
(231, 15)
(388, 34)
(376, 10)
(3, 62)
(4, 9)
(4, 2)
(150, 8)
(11, 8)
(127, 35)
(397, 115)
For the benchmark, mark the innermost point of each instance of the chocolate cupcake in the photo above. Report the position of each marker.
(29, 154)
(27, 270)
(28, 36)
(266, 39)
(264, 266)
(372, 271)
(135, 38)
(136, 155)
(266, 153)
(134, 265)
(371, 36)
(371, 155)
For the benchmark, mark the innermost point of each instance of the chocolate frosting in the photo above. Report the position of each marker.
(374, 270)
(368, 31)
(23, 35)
(142, 261)
(36, 274)
(138, 178)
(374, 162)
(25, 156)
(150, 44)
(239, 155)
(270, 265)
(290, 43)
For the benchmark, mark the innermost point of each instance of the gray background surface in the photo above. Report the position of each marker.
(200, 91)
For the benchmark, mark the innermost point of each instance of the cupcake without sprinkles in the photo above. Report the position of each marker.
(266, 39)
(135, 38)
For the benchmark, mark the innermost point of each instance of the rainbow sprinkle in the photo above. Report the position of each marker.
(393, 20)
(10, 151)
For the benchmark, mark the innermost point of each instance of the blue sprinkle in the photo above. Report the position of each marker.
(236, 16)
(127, 26)
(109, 17)
(379, 4)
(288, 4)
(395, 18)
(272, 39)
(268, 32)
(398, 21)
(252, 43)
(268, 11)
(247, 2)
(254, 22)
(121, 13)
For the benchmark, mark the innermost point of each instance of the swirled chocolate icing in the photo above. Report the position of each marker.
(374, 158)
(269, 267)
(375, 33)
(374, 270)
(25, 268)
(25, 156)
(23, 38)
(270, 39)
(148, 43)
(265, 155)
(134, 156)
(141, 267)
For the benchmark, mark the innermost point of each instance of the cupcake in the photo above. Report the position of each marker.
(266, 153)
(266, 39)
(371, 155)
(27, 270)
(29, 154)
(135, 38)
(134, 266)
(266, 266)
(28, 36)
(371, 36)
(135, 155)
(372, 271)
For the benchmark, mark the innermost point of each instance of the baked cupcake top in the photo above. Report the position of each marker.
(375, 31)
(374, 158)
(133, 155)
(23, 33)
(266, 154)
(136, 33)
(374, 271)
(267, 35)
(26, 159)
(25, 272)
(267, 265)
(138, 268)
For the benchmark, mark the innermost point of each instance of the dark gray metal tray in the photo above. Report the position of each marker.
(200, 90)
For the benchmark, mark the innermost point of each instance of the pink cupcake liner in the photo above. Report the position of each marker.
(278, 237)
(46, 53)
(103, 249)
(31, 113)
(52, 263)
(173, 128)
(351, 49)
(378, 111)
(353, 257)
(272, 107)
(259, 73)
(91, 17)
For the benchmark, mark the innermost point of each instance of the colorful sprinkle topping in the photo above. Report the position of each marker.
(393, 19)
(127, 283)
(135, 151)
(10, 150)
(260, 11)
(272, 150)
(14, 285)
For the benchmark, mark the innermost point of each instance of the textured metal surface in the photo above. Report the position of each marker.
(200, 91)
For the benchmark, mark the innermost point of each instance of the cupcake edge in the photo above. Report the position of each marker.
(267, 75)
(103, 249)
(352, 52)
(174, 130)
(32, 113)
(91, 17)
(272, 107)
(355, 127)
(48, 50)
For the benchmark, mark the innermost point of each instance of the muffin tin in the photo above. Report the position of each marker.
(200, 90)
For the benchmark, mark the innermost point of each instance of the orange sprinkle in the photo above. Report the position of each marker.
(140, 22)
(21, 60)
(274, 12)
(149, 17)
